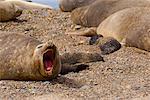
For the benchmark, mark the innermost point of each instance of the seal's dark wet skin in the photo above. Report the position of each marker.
(110, 46)
(93, 39)
(107, 45)
(48, 60)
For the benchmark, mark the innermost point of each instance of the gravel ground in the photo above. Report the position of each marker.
(125, 74)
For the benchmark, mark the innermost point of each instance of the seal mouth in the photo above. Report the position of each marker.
(48, 61)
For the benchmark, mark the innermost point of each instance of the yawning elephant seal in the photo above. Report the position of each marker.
(69, 5)
(130, 26)
(8, 11)
(25, 58)
(94, 14)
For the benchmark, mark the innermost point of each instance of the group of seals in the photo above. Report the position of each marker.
(130, 26)
(127, 21)
(10, 9)
(25, 58)
(95, 13)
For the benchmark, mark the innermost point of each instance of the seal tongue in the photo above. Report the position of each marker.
(48, 65)
(48, 60)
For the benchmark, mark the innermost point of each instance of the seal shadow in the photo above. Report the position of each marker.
(75, 62)
(70, 83)
(19, 20)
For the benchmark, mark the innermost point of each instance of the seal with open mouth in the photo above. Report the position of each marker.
(25, 58)
(8, 11)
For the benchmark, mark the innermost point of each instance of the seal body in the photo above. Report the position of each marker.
(130, 26)
(8, 11)
(94, 14)
(69, 5)
(25, 58)
(27, 5)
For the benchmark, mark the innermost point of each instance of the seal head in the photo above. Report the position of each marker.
(9, 11)
(47, 58)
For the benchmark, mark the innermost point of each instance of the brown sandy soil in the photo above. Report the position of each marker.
(124, 75)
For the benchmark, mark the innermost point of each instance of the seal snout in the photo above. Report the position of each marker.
(46, 56)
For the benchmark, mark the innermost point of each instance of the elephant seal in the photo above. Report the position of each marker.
(25, 58)
(94, 14)
(69, 5)
(130, 26)
(27, 5)
(8, 11)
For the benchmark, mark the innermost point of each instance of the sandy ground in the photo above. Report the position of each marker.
(125, 74)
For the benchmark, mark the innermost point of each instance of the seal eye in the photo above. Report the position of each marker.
(39, 46)
(48, 58)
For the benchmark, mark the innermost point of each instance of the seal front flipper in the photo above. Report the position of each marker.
(66, 68)
(107, 45)
(75, 62)
(80, 57)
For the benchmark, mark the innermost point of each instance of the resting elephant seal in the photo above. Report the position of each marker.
(130, 26)
(27, 5)
(8, 11)
(25, 58)
(94, 14)
(69, 5)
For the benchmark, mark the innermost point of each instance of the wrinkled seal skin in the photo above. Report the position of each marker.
(69, 5)
(130, 26)
(94, 14)
(21, 58)
(8, 11)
